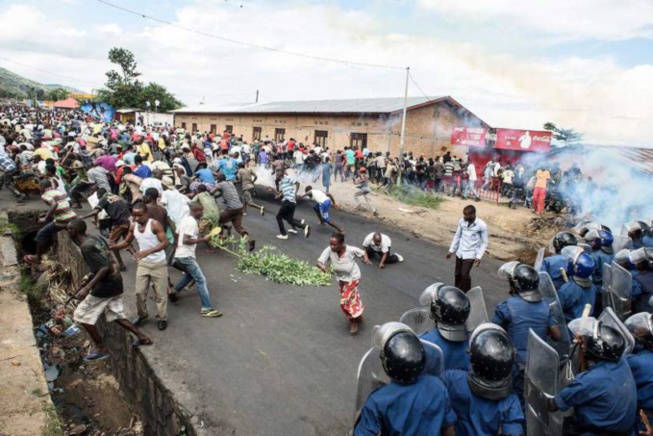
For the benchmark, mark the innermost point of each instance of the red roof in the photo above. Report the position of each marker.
(69, 103)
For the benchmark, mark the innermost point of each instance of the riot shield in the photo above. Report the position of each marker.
(539, 259)
(371, 376)
(620, 242)
(608, 317)
(478, 312)
(617, 287)
(418, 319)
(549, 294)
(434, 358)
(541, 383)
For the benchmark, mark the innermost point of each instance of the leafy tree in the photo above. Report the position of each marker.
(567, 136)
(57, 94)
(123, 89)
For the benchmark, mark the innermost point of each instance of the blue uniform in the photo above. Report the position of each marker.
(420, 408)
(604, 396)
(573, 299)
(228, 167)
(600, 258)
(455, 353)
(647, 240)
(552, 265)
(517, 315)
(479, 416)
(643, 287)
(641, 365)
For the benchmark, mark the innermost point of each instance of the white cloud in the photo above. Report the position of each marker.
(574, 19)
(610, 103)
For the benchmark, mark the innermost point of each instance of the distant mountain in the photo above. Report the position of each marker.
(16, 86)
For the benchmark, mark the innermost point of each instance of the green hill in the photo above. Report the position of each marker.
(15, 86)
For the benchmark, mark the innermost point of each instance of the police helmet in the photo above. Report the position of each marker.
(523, 279)
(402, 354)
(581, 265)
(600, 238)
(450, 309)
(602, 341)
(562, 240)
(641, 327)
(492, 357)
(636, 229)
(622, 257)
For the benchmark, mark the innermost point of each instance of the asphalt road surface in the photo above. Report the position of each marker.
(281, 359)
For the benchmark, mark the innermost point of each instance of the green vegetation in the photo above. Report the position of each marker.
(54, 425)
(28, 287)
(10, 228)
(14, 86)
(416, 197)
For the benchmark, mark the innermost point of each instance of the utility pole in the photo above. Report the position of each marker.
(256, 96)
(402, 140)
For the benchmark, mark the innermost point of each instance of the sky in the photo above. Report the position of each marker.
(583, 64)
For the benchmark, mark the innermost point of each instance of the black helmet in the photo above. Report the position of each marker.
(563, 239)
(523, 279)
(450, 309)
(602, 341)
(492, 360)
(403, 357)
(641, 327)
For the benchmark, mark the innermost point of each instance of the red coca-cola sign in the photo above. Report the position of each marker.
(524, 140)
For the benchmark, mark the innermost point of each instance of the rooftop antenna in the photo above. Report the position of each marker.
(256, 96)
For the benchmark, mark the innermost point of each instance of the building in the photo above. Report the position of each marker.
(374, 123)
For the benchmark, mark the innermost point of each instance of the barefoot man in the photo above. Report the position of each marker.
(323, 203)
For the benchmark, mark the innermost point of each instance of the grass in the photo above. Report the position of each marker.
(28, 287)
(11, 228)
(53, 425)
(415, 197)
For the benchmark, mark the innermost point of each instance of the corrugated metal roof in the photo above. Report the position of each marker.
(359, 105)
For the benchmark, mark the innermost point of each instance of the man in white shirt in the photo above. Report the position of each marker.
(469, 244)
(322, 204)
(470, 186)
(378, 244)
(189, 237)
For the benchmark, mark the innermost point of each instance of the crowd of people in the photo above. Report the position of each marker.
(170, 191)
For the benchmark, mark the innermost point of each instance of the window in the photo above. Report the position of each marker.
(229, 128)
(214, 128)
(279, 135)
(321, 137)
(183, 126)
(256, 134)
(358, 140)
(194, 127)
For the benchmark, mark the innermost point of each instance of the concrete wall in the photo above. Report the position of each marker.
(428, 129)
(157, 406)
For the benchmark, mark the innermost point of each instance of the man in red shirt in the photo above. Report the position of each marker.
(290, 148)
(199, 154)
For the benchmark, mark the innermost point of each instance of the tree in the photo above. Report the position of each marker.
(567, 136)
(57, 94)
(124, 90)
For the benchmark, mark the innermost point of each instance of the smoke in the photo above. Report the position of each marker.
(610, 190)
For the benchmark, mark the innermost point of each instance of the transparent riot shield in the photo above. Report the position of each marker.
(609, 317)
(617, 287)
(434, 358)
(620, 242)
(539, 259)
(541, 383)
(478, 313)
(418, 319)
(371, 376)
(549, 294)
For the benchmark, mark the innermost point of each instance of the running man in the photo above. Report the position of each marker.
(247, 178)
(363, 186)
(323, 201)
(288, 194)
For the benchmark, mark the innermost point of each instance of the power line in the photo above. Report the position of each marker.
(410, 76)
(49, 72)
(249, 44)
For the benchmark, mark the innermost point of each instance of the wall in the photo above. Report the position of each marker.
(159, 411)
(428, 129)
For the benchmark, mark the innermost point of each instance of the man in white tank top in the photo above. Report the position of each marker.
(152, 264)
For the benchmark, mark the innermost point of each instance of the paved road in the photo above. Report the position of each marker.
(281, 359)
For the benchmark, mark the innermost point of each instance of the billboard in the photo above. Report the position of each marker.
(471, 136)
(523, 140)
(99, 111)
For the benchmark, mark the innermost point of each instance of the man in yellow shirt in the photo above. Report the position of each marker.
(146, 152)
(43, 151)
(542, 177)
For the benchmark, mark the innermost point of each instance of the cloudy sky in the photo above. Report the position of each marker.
(585, 64)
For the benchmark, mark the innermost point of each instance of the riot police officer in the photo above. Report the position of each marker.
(602, 252)
(604, 396)
(450, 309)
(642, 259)
(524, 310)
(579, 290)
(482, 398)
(647, 238)
(636, 231)
(412, 403)
(554, 265)
(641, 363)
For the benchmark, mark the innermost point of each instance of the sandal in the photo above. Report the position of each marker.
(142, 342)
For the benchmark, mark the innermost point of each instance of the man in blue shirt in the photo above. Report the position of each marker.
(204, 174)
(288, 194)
(604, 395)
(9, 170)
(482, 398)
(469, 245)
(142, 171)
(412, 404)
(579, 290)
(554, 265)
(229, 167)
